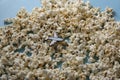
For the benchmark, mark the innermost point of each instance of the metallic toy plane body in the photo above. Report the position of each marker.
(54, 39)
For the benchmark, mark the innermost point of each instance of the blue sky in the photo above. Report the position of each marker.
(115, 4)
(9, 8)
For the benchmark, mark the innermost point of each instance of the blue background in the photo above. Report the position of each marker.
(9, 8)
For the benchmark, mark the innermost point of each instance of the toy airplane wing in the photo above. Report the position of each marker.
(55, 35)
(52, 42)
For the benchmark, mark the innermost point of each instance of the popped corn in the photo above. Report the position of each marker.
(90, 50)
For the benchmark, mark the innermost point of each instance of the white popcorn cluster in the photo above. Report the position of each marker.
(90, 50)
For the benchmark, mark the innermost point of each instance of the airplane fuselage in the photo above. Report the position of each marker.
(56, 39)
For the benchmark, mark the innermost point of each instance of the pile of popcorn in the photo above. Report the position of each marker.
(90, 50)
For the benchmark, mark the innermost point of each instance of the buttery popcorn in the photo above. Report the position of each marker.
(90, 50)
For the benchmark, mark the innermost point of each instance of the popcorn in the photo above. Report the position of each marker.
(89, 50)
